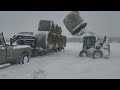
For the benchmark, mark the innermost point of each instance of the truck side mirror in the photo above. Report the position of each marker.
(10, 41)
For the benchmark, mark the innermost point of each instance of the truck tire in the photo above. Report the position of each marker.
(24, 59)
(83, 54)
(97, 54)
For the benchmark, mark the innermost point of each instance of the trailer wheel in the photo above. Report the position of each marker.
(97, 54)
(83, 54)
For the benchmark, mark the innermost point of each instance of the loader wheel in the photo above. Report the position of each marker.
(83, 54)
(97, 54)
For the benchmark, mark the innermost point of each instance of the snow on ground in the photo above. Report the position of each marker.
(66, 65)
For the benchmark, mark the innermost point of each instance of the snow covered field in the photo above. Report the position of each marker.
(66, 65)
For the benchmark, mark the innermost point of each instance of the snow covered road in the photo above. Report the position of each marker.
(67, 65)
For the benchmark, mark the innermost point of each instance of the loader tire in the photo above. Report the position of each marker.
(83, 54)
(97, 54)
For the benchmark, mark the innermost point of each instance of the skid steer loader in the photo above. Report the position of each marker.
(92, 46)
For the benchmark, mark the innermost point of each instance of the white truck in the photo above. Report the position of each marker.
(13, 54)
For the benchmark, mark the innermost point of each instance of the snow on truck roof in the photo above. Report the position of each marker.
(21, 46)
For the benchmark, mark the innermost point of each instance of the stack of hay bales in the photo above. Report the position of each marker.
(58, 37)
(49, 35)
(45, 38)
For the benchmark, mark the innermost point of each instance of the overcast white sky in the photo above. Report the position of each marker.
(100, 22)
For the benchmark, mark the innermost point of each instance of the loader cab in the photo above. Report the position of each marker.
(89, 42)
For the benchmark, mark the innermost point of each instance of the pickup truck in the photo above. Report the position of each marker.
(13, 54)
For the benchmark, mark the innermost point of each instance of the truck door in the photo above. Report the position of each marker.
(2, 51)
(9, 53)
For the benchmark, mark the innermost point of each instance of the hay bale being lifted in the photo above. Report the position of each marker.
(45, 40)
(74, 23)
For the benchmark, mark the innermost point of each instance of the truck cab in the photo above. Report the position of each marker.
(13, 53)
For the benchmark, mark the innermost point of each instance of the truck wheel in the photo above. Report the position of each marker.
(24, 59)
(83, 54)
(97, 54)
